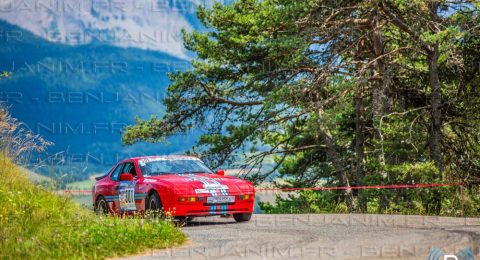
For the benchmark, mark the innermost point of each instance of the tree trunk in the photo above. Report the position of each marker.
(380, 100)
(360, 148)
(380, 92)
(335, 157)
(435, 141)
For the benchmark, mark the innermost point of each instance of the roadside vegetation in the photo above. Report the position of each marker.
(339, 93)
(37, 224)
(400, 202)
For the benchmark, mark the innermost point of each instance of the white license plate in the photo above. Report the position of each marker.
(220, 199)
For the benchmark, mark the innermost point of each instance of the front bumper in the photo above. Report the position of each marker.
(201, 208)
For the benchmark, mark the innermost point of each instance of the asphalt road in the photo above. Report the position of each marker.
(324, 236)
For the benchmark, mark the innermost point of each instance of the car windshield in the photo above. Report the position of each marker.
(161, 166)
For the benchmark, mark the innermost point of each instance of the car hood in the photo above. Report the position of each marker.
(206, 184)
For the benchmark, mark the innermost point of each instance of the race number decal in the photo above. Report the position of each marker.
(126, 193)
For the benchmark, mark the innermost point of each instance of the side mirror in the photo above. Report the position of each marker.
(220, 172)
(126, 176)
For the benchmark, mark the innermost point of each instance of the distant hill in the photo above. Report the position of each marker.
(80, 97)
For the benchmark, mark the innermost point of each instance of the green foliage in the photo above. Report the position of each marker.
(233, 92)
(35, 224)
(304, 202)
(455, 201)
(338, 93)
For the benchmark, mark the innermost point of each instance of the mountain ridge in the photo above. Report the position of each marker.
(83, 111)
(143, 24)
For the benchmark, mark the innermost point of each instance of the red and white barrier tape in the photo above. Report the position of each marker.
(397, 186)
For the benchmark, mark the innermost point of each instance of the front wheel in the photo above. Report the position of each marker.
(183, 220)
(242, 217)
(154, 205)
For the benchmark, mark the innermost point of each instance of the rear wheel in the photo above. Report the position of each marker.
(242, 217)
(101, 207)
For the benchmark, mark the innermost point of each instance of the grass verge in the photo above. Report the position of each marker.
(36, 224)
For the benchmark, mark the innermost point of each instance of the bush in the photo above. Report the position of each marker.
(443, 201)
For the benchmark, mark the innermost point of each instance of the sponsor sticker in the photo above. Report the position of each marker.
(201, 191)
(215, 186)
(144, 161)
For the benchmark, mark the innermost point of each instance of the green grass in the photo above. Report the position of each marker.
(36, 224)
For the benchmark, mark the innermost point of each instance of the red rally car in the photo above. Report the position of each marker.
(180, 186)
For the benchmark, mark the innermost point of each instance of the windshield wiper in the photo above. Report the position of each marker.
(193, 172)
(159, 173)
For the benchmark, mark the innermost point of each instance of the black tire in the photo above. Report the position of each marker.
(183, 220)
(101, 207)
(153, 205)
(242, 217)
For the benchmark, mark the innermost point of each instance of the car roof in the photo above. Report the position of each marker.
(161, 157)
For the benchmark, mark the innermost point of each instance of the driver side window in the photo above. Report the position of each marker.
(117, 172)
(130, 168)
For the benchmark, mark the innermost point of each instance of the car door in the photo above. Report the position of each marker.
(124, 191)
